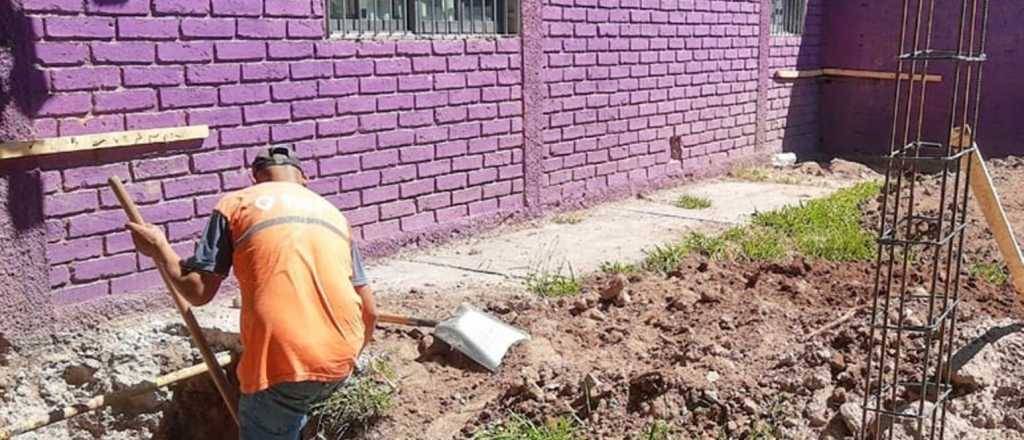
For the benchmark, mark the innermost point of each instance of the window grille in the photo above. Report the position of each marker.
(496, 17)
(788, 17)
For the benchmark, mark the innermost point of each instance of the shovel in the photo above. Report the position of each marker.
(478, 335)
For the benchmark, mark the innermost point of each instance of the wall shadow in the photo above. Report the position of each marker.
(857, 114)
(801, 132)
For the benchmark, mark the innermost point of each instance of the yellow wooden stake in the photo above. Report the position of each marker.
(988, 200)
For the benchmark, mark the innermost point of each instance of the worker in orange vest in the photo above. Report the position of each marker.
(307, 310)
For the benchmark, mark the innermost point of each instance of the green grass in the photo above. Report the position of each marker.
(617, 267)
(553, 284)
(568, 219)
(659, 430)
(518, 427)
(829, 228)
(992, 272)
(762, 245)
(363, 400)
(664, 258)
(693, 202)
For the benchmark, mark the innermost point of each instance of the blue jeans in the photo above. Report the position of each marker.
(281, 411)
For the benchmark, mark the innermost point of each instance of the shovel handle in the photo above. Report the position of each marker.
(405, 320)
(216, 373)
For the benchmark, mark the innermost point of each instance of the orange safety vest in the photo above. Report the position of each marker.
(301, 318)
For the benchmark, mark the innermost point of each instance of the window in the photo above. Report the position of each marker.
(788, 17)
(499, 17)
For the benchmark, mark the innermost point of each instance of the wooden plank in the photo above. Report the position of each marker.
(988, 200)
(850, 73)
(872, 74)
(798, 74)
(12, 150)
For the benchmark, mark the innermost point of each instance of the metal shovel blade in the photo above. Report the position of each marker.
(482, 337)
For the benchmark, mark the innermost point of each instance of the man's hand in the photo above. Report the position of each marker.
(198, 288)
(149, 239)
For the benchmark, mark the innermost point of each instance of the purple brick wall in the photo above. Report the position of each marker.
(625, 76)
(857, 114)
(410, 138)
(402, 135)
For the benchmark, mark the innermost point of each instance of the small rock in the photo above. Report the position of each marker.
(817, 381)
(811, 169)
(852, 169)
(623, 299)
(683, 299)
(581, 305)
(851, 413)
(837, 362)
(707, 296)
(76, 375)
(712, 376)
(750, 407)
(614, 288)
(428, 346)
(838, 396)
(817, 415)
(787, 360)
(596, 315)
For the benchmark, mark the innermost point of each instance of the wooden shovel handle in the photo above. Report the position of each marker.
(405, 320)
(216, 373)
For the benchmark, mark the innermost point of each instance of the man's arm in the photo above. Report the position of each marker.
(196, 287)
(361, 284)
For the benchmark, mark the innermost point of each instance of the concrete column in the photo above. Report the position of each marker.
(764, 76)
(534, 98)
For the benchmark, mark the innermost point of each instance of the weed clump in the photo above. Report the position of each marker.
(992, 272)
(617, 267)
(362, 401)
(553, 284)
(518, 427)
(693, 202)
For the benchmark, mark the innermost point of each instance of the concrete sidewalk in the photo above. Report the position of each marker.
(618, 231)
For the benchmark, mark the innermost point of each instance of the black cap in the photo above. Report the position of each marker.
(276, 155)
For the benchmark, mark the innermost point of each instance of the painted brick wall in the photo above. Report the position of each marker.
(404, 136)
(625, 76)
(793, 106)
(410, 138)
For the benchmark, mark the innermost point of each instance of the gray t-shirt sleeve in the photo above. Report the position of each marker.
(214, 249)
(358, 272)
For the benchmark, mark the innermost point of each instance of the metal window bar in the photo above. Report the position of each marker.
(788, 17)
(887, 393)
(495, 17)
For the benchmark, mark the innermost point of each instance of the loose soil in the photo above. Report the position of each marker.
(716, 349)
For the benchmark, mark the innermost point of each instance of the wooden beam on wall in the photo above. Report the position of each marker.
(67, 144)
(851, 73)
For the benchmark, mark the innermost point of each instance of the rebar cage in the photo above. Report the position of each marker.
(921, 233)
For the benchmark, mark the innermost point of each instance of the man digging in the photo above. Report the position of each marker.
(307, 311)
